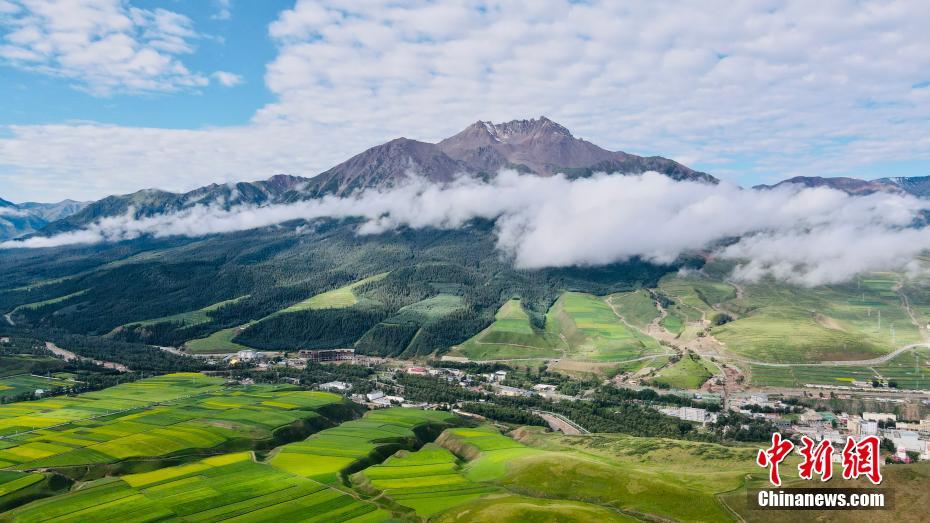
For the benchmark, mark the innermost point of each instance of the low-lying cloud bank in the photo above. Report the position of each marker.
(807, 236)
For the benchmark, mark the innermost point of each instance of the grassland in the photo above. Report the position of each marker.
(44, 303)
(335, 299)
(428, 481)
(230, 487)
(786, 324)
(188, 319)
(638, 307)
(909, 370)
(219, 342)
(329, 454)
(689, 372)
(511, 336)
(595, 333)
(15, 385)
(157, 417)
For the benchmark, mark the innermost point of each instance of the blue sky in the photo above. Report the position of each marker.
(111, 96)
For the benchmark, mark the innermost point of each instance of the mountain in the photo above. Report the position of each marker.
(149, 202)
(538, 146)
(916, 185)
(25, 218)
(544, 147)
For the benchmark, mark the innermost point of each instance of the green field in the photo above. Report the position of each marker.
(510, 337)
(15, 385)
(335, 299)
(188, 319)
(230, 487)
(325, 456)
(595, 333)
(785, 324)
(52, 301)
(906, 370)
(218, 342)
(638, 308)
(689, 372)
(665, 479)
(428, 481)
(157, 417)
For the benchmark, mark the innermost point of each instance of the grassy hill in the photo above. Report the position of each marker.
(595, 333)
(511, 336)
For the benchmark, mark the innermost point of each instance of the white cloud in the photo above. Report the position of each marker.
(804, 236)
(104, 46)
(224, 11)
(766, 89)
(227, 79)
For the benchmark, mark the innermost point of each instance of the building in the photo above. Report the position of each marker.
(374, 395)
(879, 416)
(513, 392)
(868, 428)
(690, 414)
(323, 355)
(339, 386)
(544, 387)
(417, 371)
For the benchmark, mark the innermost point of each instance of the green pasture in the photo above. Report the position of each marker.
(910, 370)
(687, 373)
(335, 299)
(638, 307)
(511, 336)
(219, 342)
(595, 333)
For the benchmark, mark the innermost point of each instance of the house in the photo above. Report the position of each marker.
(323, 355)
(512, 392)
(339, 386)
(417, 371)
(879, 416)
(374, 395)
(544, 387)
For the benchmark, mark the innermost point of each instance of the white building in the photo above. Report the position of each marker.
(374, 395)
(879, 416)
(868, 428)
(340, 386)
(690, 414)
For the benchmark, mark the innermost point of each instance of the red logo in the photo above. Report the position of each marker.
(817, 459)
(862, 459)
(859, 459)
(773, 456)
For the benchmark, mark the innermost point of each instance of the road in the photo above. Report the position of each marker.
(68, 356)
(847, 363)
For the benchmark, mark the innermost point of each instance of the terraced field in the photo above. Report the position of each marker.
(155, 418)
(511, 336)
(428, 481)
(595, 333)
(229, 487)
(325, 456)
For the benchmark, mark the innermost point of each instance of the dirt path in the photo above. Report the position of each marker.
(68, 356)
(9, 318)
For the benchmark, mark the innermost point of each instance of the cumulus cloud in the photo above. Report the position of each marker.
(806, 236)
(739, 89)
(104, 46)
(227, 79)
